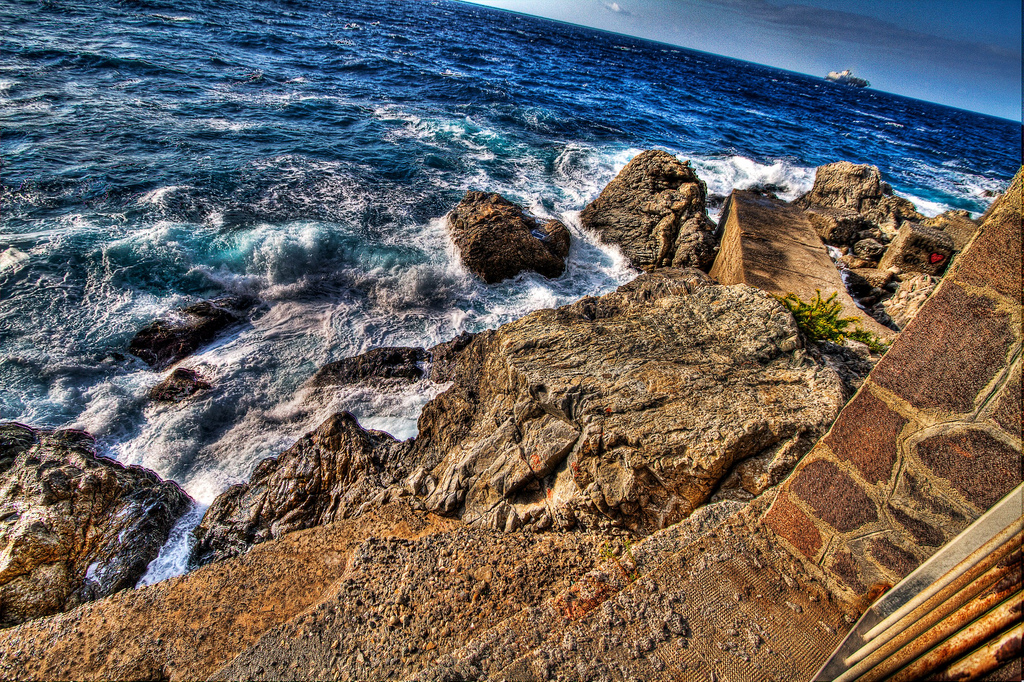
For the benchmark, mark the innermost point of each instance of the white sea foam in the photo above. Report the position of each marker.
(173, 557)
(11, 258)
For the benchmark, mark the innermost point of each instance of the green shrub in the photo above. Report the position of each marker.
(819, 320)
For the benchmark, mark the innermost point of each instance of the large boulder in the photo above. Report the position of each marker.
(497, 239)
(165, 341)
(852, 190)
(625, 409)
(74, 526)
(655, 211)
(335, 472)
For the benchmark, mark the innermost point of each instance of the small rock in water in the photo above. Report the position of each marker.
(180, 384)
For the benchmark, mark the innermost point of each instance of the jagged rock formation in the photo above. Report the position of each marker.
(655, 211)
(497, 240)
(163, 342)
(624, 409)
(375, 365)
(73, 526)
(957, 224)
(338, 470)
(910, 296)
(847, 191)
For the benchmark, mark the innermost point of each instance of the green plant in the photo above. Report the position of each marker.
(820, 320)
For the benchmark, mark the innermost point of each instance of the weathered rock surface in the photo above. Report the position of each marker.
(338, 470)
(497, 239)
(378, 364)
(655, 211)
(912, 293)
(443, 357)
(180, 384)
(957, 224)
(163, 342)
(73, 526)
(847, 187)
(840, 227)
(628, 408)
(918, 248)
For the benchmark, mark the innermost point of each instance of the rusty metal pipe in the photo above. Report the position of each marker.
(996, 585)
(989, 658)
(965, 587)
(965, 641)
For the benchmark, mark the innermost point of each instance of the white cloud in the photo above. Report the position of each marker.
(614, 6)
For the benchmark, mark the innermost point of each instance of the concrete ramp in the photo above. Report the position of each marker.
(771, 245)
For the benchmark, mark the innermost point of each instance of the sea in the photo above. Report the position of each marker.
(158, 153)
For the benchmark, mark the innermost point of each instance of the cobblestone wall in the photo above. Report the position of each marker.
(933, 437)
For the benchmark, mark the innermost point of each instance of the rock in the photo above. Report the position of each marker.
(957, 224)
(378, 364)
(868, 249)
(74, 526)
(444, 355)
(911, 294)
(654, 210)
(180, 384)
(335, 472)
(918, 248)
(163, 342)
(849, 187)
(628, 408)
(873, 277)
(497, 240)
(838, 227)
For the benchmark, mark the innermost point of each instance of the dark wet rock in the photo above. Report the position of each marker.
(165, 341)
(74, 526)
(655, 211)
(625, 409)
(378, 364)
(180, 384)
(337, 471)
(859, 189)
(497, 239)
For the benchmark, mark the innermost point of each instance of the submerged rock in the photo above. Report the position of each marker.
(180, 384)
(377, 364)
(655, 211)
(628, 408)
(851, 190)
(165, 341)
(337, 471)
(497, 239)
(74, 526)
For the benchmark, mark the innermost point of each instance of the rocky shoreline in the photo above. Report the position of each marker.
(572, 451)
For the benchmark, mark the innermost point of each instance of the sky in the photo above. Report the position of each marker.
(962, 53)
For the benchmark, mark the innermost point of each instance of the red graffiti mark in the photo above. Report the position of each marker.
(936, 258)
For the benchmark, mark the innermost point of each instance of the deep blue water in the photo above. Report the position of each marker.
(155, 153)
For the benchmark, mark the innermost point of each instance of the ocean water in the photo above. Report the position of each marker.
(157, 153)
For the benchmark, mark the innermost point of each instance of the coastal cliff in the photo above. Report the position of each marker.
(596, 493)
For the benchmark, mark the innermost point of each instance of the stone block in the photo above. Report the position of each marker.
(923, 532)
(772, 245)
(949, 352)
(835, 497)
(837, 226)
(977, 464)
(866, 434)
(918, 248)
(957, 224)
(789, 522)
(845, 567)
(896, 559)
(994, 258)
(1008, 404)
